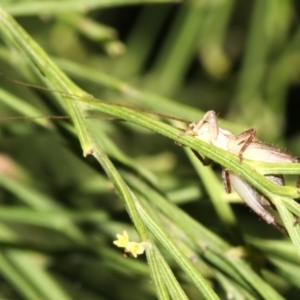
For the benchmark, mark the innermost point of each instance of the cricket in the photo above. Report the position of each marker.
(243, 145)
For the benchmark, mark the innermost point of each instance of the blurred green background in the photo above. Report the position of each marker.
(58, 211)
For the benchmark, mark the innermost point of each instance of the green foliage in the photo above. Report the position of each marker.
(60, 212)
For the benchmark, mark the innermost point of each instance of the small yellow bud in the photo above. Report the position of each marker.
(135, 248)
(122, 240)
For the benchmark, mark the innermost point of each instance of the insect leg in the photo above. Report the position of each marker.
(226, 181)
(205, 161)
(253, 199)
(298, 182)
(249, 135)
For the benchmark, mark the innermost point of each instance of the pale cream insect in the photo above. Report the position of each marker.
(244, 146)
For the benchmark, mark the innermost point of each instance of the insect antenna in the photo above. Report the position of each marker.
(85, 99)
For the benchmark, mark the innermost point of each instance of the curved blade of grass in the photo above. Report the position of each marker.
(41, 202)
(243, 273)
(278, 168)
(28, 195)
(288, 270)
(162, 274)
(36, 275)
(121, 187)
(53, 219)
(232, 290)
(293, 206)
(156, 274)
(177, 254)
(255, 59)
(285, 65)
(180, 45)
(38, 7)
(11, 274)
(171, 282)
(221, 264)
(279, 248)
(264, 289)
